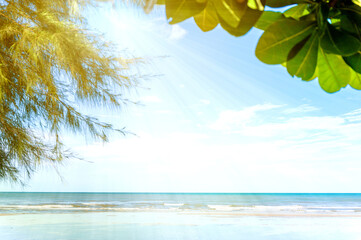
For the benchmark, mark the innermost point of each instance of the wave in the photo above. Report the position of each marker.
(177, 207)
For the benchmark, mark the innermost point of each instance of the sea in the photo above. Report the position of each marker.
(153, 216)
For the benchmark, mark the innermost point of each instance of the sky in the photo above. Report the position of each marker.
(211, 118)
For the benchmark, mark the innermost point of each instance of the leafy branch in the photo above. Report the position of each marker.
(311, 38)
(50, 64)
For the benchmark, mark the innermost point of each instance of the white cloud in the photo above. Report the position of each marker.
(289, 154)
(198, 162)
(177, 32)
(353, 116)
(230, 120)
(301, 109)
(256, 121)
(314, 139)
(299, 127)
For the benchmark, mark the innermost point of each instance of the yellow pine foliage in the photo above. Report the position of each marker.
(49, 63)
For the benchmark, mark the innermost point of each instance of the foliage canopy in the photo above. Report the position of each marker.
(311, 38)
(49, 64)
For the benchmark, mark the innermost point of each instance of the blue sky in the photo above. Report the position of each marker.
(214, 119)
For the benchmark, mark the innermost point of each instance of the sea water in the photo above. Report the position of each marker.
(146, 216)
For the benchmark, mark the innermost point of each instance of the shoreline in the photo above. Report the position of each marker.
(216, 214)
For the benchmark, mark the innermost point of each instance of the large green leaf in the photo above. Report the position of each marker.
(357, 2)
(179, 10)
(207, 19)
(267, 19)
(297, 12)
(353, 8)
(230, 11)
(322, 15)
(351, 23)
(248, 20)
(355, 81)
(333, 72)
(283, 3)
(276, 42)
(315, 75)
(304, 64)
(354, 61)
(256, 4)
(339, 42)
(294, 51)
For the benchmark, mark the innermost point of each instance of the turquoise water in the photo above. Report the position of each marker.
(41, 216)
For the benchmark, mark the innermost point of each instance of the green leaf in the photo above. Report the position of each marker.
(293, 52)
(354, 61)
(282, 3)
(207, 19)
(309, 17)
(357, 2)
(315, 75)
(339, 42)
(355, 81)
(304, 64)
(267, 19)
(354, 8)
(297, 12)
(256, 4)
(276, 42)
(333, 73)
(179, 10)
(248, 20)
(322, 16)
(230, 11)
(351, 23)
